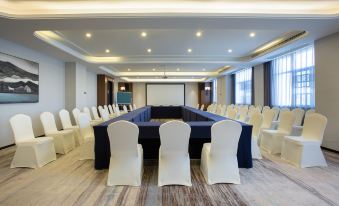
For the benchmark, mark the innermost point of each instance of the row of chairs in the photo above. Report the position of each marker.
(35, 152)
(280, 131)
(219, 162)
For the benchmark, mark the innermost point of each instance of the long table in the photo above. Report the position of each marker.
(200, 122)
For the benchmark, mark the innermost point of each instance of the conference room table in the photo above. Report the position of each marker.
(199, 121)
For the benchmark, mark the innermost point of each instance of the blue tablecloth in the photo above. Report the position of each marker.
(200, 122)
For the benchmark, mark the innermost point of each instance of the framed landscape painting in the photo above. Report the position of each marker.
(19, 80)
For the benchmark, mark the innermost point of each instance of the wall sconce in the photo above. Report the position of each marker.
(122, 88)
(207, 88)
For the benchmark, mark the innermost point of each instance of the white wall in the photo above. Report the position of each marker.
(259, 85)
(51, 90)
(327, 87)
(224, 90)
(91, 88)
(191, 94)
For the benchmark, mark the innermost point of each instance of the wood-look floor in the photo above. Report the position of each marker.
(69, 181)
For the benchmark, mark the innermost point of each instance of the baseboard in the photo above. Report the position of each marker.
(4, 147)
(328, 149)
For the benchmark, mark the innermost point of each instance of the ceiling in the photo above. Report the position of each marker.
(168, 35)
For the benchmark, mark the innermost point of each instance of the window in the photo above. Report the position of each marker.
(215, 92)
(243, 86)
(292, 79)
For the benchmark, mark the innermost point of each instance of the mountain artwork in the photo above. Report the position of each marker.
(19, 80)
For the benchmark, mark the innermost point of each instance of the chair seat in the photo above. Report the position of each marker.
(31, 142)
(301, 140)
(274, 132)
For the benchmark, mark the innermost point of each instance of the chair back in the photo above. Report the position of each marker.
(268, 117)
(106, 109)
(202, 107)
(286, 121)
(48, 122)
(174, 137)
(110, 109)
(225, 137)
(123, 137)
(104, 114)
(243, 114)
(130, 107)
(256, 122)
(308, 112)
(222, 111)
(75, 113)
(95, 113)
(259, 108)
(314, 127)
(117, 110)
(282, 110)
(197, 107)
(231, 113)
(298, 115)
(124, 108)
(85, 126)
(276, 113)
(22, 128)
(265, 108)
(86, 111)
(134, 106)
(65, 119)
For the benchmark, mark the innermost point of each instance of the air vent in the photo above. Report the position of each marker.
(273, 45)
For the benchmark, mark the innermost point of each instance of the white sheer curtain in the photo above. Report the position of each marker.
(243, 86)
(215, 92)
(292, 79)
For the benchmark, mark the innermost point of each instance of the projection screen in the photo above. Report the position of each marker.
(165, 94)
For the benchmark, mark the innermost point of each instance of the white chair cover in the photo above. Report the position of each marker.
(265, 108)
(299, 115)
(197, 107)
(276, 113)
(130, 107)
(259, 108)
(174, 160)
(134, 106)
(110, 108)
(242, 115)
(126, 163)
(304, 151)
(63, 140)
(30, 152)
(272, 140)
(276, 123)
(231, 113)
(104, 114)
(67, 125)
(95, 114)
(75, 113)
(87, 148)
(125, 109)
(117, 111)
(256, 121)
(219, 163)
(202, 107)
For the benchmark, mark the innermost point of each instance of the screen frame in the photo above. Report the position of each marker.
(166, 84)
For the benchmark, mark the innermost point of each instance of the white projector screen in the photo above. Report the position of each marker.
(165, 94)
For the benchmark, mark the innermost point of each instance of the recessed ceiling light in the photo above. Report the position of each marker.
(107, 51)
(178, 69)
(252, 34)
(189, 50)
(88, 35)
(143, 34)
(149, 50)
(229, 50)
(128, 69)
(203, 69)
(198, 34)
(153, 69)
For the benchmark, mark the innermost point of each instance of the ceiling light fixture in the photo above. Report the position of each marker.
(252, 34)
(189, 50)
(88, 35)
(128, 69)
(153, 69)
(107, 51)
(143, 34)
(199, 34)
(178, 69)
(230, 50)
(149, 50)
(203, 69)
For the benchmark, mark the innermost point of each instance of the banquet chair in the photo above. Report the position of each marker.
(259, 108)
(130, 107)
(256, 122)
(297, 130)
(202, 107)
(231, 113)
(104, 114)
(125, 109)
(174, 159)
(107, 111)
(67, 125)
(268, 117)
(304, 151)
(87, 148)
(63, 140)
(111, 111)
(251, 112)
(242, 114)
(134, 107)
(94, 121)
(97, 119)
(219, 163)
(126, 162)
(197, 107)
(276, 123)
(299, 115)
(271, 140)
(222, 110)
(276, 113)
(116, 110)
(75, 113)
(30, 152)
(265, 108)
